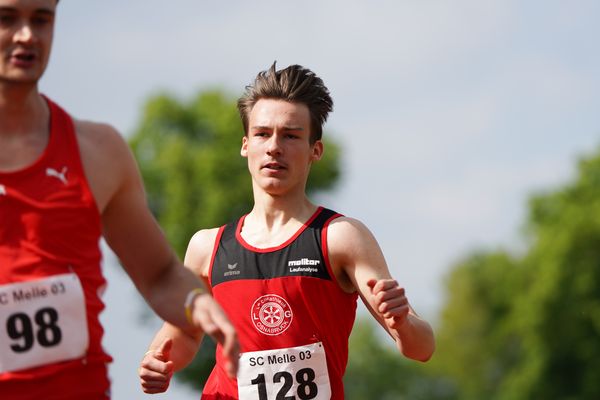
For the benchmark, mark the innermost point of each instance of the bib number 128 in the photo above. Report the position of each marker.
(307, 388)
(20, 328)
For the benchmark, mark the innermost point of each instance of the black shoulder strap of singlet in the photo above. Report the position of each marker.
(229, 230)
(325, 215)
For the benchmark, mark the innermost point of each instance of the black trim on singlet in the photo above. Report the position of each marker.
(301, 257)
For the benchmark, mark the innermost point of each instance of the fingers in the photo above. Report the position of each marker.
(210, 317)
(393, 305)
(153, 381)
(152, 365)
(377, 286)
(389, 298)
(155, 375)
(384, 289)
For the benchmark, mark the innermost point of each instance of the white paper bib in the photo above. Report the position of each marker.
(41, 322)
(297, 372)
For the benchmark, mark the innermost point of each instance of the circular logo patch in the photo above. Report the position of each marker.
(271, 314)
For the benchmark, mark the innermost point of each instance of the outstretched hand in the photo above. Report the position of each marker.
(209, 317)
(389, 301)
(156, 369)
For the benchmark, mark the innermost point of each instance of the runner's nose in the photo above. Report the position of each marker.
(274, 145)
(24, 34)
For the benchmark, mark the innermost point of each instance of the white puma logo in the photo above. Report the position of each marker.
(61, 176)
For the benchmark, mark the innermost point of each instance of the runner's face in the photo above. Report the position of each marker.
(278, 146)
(26, 31)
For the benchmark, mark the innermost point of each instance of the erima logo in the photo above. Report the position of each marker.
(232, 270)
(61, 176)
(303, 265)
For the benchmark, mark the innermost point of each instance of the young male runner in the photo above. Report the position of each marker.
(289, 273)
(63, 184)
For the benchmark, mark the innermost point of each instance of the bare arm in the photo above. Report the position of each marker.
(131, 231)
(157, 366)
(360, 265)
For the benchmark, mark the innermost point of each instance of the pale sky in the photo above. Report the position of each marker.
(450, 113)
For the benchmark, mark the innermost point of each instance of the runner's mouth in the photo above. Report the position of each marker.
(275, 166)
(26, 57)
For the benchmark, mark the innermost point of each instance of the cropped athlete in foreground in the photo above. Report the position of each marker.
(64, 183)
(289, 273)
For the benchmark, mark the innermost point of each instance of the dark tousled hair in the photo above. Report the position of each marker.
(295, 84)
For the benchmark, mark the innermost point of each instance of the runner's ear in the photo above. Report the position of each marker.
(317, 151)
(244, 149)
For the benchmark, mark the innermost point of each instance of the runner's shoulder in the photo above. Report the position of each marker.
(200, 250)
(343, 228)
(103, 147)
(100, 137)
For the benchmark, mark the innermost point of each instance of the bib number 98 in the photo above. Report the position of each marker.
(19, 327)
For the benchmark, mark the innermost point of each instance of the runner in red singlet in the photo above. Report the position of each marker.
(63, 184)
(289, 273)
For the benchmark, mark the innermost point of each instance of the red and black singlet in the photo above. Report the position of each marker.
(293, 319)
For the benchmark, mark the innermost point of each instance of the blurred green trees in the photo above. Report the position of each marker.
(528, 326)
(189, 156)
(377, 371)
(515, 325)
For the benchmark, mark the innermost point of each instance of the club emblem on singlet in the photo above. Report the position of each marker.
(271, 314)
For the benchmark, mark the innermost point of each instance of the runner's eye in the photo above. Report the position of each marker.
(7, 19)
(40, 21)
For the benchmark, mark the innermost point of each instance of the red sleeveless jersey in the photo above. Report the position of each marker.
(292, 318)
(49, 240)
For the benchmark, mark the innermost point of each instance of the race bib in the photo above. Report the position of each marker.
(42, 322)
(291, 373)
